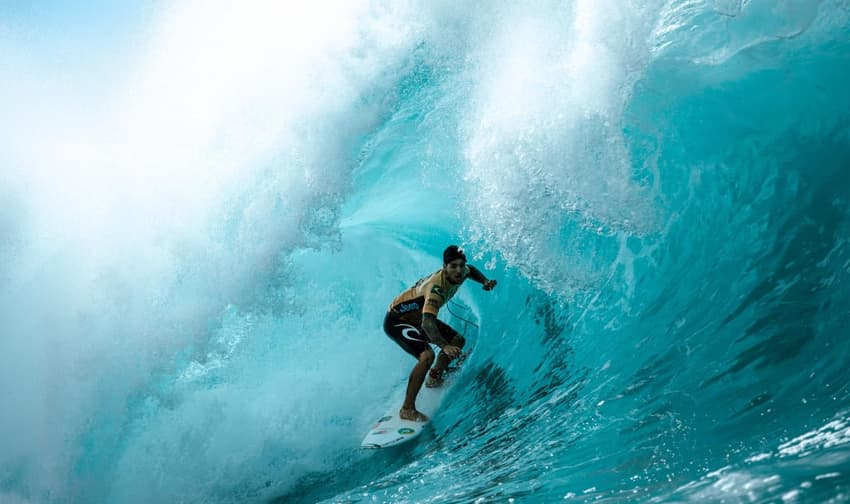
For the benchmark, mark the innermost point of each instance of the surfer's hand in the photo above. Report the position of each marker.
(451, 350)
(489, 285)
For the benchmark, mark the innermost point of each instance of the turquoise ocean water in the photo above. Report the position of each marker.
(192, 284)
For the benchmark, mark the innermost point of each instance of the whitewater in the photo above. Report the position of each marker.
(205, 209)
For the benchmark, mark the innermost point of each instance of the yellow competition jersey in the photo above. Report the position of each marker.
(427, 295)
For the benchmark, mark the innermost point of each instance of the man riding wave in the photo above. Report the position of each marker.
(411, 322)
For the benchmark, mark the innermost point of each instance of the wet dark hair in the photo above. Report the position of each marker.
(453, 252)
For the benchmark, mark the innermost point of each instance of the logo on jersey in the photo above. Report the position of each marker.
(406, 307)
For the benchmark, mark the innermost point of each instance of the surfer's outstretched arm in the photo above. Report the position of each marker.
(475, 274)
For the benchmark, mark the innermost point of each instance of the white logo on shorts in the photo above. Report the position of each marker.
(409, 328)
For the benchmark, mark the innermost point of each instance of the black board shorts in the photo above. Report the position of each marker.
(412, 338)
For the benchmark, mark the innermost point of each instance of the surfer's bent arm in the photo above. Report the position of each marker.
(429, 324)
(476, 275)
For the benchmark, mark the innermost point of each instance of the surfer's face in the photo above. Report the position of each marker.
(455, 270)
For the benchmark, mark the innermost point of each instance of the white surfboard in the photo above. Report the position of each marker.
(392, 430)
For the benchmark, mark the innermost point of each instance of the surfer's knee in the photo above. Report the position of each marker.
(427, 357)
(458, 341)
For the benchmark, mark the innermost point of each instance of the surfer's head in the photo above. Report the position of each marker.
(452, 253)
(454, 263)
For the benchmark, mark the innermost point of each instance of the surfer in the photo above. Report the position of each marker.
(411, 322)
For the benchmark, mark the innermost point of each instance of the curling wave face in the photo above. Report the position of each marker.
(660, 189)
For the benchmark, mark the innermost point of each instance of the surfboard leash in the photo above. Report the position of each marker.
(465, 321)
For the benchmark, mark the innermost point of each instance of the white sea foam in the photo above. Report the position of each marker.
(544, 145)
(225, 144)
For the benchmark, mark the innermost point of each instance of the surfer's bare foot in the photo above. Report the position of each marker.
(412, 414)
(434, 382)
(435, 379)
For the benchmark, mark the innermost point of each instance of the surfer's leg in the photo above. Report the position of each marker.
(436, 375)
(417, 376)
(412, 340)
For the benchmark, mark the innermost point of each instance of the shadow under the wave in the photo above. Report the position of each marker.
(372, 465)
